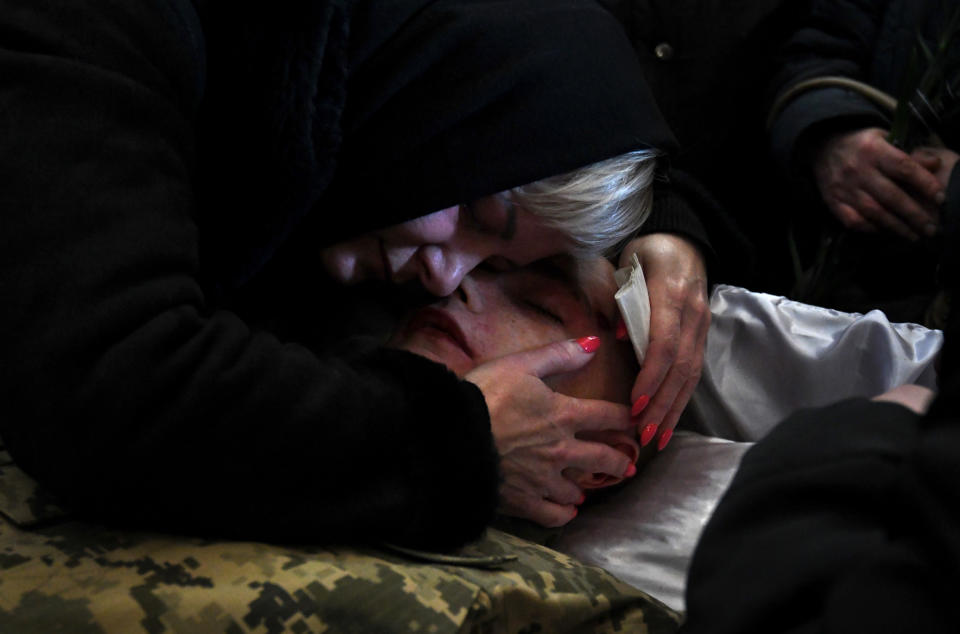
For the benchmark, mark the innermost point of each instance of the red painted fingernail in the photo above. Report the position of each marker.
(647, 434)
(575, 511)
(639, 405)
(664, 440)
(583, 498)
(631, 471)
(621, 333)
(589, 344)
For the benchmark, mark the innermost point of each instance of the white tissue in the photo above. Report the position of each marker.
(634, 303)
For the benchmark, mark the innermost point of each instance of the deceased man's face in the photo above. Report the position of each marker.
(493, 314)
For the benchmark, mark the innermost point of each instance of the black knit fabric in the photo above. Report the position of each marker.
(473, 97)
(444, 101)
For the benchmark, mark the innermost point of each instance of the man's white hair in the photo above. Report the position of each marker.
(600, 206)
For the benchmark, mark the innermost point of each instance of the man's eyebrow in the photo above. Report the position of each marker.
(564, 270)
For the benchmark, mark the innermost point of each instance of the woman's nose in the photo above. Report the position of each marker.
(441, 272)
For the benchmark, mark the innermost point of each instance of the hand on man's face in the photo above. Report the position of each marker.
(514, 334)
(870, 185)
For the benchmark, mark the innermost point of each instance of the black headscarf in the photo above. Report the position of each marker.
(443, 101)
(472, 97)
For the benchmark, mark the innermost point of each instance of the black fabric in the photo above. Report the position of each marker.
(710, 86)
(839, 511)
(507, 113)
(269, 127)
(445, 101)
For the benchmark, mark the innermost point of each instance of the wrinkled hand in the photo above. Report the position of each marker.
(913, 397)
(869, 184)
(535, 432)
(938, 161)
(679, 319)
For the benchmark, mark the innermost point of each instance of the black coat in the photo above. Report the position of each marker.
(843, 519)
(708, 63)
(127, 389)
(869, 41)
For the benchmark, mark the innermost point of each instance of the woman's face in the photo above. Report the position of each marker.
(441, 248)
(493, 314)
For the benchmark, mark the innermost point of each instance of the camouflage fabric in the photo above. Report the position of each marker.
(75, 577)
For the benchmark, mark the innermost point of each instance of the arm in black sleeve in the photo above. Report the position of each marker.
(838, 39)
(827, 528)
(122, 389)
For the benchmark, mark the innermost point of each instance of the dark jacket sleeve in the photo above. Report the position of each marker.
(837, 39)
(121, 387)
(843, 519)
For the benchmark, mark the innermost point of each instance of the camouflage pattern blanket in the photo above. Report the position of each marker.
(59, 575)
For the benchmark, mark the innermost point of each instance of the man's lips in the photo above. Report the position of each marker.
(441, 320)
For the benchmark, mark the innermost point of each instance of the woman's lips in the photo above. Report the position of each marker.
(440, 320)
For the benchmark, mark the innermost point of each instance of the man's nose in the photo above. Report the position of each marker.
(471, 292)
(441, 272)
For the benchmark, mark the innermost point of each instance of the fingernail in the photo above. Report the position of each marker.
(940, 198)
(589, 344)
(622, 334)
(664, 440)
(631, 471)
(639, 405)
(583, 498)
(647, 434)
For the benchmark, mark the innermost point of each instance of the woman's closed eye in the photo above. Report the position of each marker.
(492, 215)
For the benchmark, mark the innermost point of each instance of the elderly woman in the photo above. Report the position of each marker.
(177, 175)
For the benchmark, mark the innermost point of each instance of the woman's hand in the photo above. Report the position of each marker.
(535, 431)
(679, 319)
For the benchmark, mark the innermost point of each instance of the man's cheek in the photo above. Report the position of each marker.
(576, 383)
(505, 334)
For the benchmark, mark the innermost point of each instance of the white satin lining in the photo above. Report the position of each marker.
(766, 357)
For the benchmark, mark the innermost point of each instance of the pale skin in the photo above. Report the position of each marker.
(496, 326)
(439, 249)
(870, 185)
(679, 320)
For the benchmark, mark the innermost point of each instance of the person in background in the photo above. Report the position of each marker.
(883, 197)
